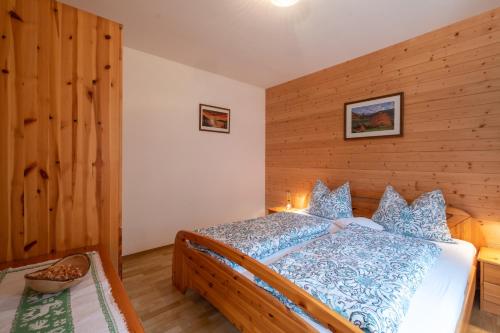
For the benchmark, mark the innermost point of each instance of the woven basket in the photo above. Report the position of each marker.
(80, 260)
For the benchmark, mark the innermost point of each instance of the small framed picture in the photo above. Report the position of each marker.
(214, 119)
(375, 117)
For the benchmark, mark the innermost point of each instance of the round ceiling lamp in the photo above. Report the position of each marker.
(284, 3)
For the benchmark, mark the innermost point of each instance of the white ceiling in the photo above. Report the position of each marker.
(255, 42)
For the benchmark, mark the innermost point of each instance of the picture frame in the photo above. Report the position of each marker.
(214, 119)
(377, 117)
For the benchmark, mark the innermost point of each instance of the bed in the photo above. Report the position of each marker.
(233, 292)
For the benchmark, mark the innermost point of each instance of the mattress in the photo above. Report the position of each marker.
(437, 303)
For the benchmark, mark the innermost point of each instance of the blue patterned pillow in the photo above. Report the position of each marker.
(330, 205)
(425, 218)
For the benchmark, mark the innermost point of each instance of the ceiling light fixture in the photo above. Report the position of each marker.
(284, 3)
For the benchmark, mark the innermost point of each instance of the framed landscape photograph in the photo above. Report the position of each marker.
(375, 117)
(214, 119)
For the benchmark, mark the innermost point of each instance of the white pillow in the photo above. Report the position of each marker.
(362, 221)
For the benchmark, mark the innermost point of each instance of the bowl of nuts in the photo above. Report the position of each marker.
(61, 275)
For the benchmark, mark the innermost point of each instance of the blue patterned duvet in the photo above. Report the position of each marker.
(367, 276)
(265, 236)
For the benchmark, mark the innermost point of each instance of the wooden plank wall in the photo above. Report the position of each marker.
(451, 81)
(60, 130)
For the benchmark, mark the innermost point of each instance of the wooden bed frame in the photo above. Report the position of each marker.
(117, 289)
(251, 308)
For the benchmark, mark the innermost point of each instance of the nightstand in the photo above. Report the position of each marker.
(490, 279)
(280, 209)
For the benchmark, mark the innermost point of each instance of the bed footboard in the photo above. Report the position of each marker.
(247, 306)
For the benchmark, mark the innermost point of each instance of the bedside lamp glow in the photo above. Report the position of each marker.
(288, 200)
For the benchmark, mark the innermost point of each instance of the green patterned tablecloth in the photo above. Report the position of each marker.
(86, 307)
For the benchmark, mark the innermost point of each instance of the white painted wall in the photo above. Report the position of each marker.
(174, 176)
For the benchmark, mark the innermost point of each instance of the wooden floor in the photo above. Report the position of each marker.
(147, 279)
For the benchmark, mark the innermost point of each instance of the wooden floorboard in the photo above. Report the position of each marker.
(147, 279)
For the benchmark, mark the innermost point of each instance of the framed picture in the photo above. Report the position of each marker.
(214, 119)
(375, 117)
